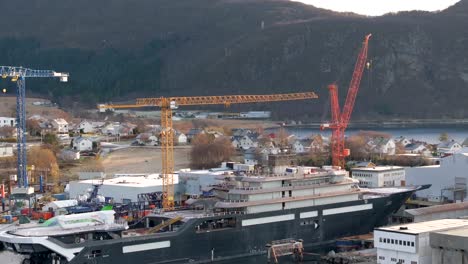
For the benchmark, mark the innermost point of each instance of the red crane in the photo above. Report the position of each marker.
(339, 122)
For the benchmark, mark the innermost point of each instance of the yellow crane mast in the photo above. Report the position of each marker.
(167, 132)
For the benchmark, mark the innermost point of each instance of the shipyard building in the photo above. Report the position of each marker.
(410, 243)
(379, 176)
(448, 179)
(123, 188)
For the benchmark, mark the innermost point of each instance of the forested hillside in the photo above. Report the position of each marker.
(116, 50)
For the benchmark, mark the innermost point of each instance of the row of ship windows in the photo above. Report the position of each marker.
(396, 242)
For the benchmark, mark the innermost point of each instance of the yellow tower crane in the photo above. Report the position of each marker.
(167, 104)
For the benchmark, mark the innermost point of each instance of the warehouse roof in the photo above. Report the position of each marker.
(425, 227)
(133, 181)
(438, 209)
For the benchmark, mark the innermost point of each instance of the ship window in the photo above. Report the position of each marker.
(400, 242)
(404, 243)
(393, 241)
(380, 240)
(412, 244)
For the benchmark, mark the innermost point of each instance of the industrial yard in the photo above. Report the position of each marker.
(144, 160)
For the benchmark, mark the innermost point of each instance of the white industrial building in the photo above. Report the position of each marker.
(123, 189)
(409, 243)
(7, 121)
(379, 176)
(450, 246)
(448, 179)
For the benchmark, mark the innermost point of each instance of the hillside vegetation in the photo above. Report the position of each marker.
(116, 50)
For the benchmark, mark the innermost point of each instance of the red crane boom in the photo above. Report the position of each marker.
(340, 122)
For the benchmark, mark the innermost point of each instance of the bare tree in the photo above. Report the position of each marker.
(209, 152)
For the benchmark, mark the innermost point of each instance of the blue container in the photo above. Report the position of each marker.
(60, 196)
(9, 218)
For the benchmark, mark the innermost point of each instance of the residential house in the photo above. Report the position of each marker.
(86, 127)
(465, 143)
(448, 148)
(382, 146)
(60, 125)
(245, 142)
(193, 132)
(82, 144)
(147, 139)
(317, 144)
(240, 132)
(418, 148)
(6, 150)
(111, 129)
(7, 121)
(402, 140)
(250, 157)
(299, 146)
(361, 164)
(180, 138)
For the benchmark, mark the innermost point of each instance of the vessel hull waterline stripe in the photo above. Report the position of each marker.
(308, 214)
(146, 246)
(347, 209)
(267, 220)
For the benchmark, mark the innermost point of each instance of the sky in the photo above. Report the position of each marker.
(380, 7)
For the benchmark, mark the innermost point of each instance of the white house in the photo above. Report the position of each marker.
(448, 147)
(181, 138)
(410, 243)
(86, 127)
(244, 142)
(383, 146)
(379, 176)
(402, 140)
(60, 125)
(6, 150)
(7, 121)
(298, 147)
(418, 148)
(82, 144)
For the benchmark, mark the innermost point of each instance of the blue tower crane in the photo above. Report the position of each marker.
(19, 75)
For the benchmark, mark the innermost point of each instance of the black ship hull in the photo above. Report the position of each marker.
(316, 226)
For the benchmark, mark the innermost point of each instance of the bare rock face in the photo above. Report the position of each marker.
(418, 60)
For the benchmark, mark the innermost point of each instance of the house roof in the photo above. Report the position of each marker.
(60, 121)
(414, 146)
(79, 139)
(447, 144)
(194, 131)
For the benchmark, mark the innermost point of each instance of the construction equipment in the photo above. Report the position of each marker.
(19, 75)
(340, 121)
(167, 104)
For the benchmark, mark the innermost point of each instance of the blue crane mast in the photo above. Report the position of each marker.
(19, 75)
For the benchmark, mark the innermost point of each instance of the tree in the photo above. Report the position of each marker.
(209, 152)
(357, 144)
(33, 127)
(44, 159)
(443, 137)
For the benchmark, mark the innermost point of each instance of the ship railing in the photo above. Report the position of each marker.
(225, 213)
(235, 201)
(248, 188)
